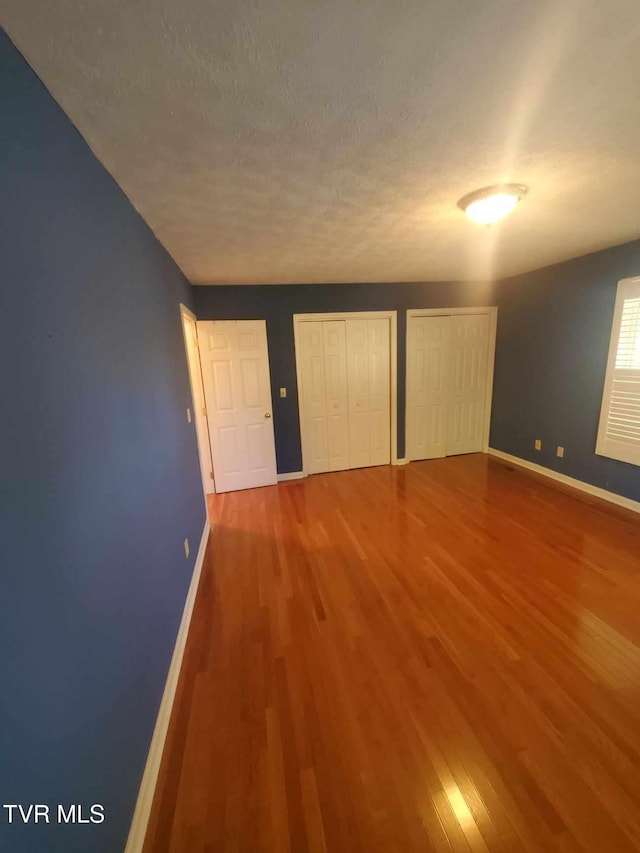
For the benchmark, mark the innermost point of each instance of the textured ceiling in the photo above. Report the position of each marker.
(308, 141)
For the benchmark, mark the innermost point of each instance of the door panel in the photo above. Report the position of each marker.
(335, 371)
(235, 370)
(228, 460)
(223, 385)
(250, 383)
(369, 382)
(345, 389)
(379, 392)
(469, 343)
(313, 406)
(427, 387)
(358, 370)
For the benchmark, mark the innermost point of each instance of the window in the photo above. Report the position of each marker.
(619, 431)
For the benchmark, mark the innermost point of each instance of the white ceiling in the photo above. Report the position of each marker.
(329, 140)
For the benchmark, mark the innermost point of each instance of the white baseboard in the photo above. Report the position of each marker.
(292, 475)
(597, 492)
(402, 461)
(141, 814)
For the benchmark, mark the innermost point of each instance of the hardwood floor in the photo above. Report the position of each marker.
(443, 656)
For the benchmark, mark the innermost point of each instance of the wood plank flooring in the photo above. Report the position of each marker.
(438, 657)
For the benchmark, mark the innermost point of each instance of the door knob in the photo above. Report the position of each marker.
(267, 414)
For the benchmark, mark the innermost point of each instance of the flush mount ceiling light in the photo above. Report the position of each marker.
(490, 204)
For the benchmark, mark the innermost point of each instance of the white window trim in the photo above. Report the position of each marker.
(620, 450)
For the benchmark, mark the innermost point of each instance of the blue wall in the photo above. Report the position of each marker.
(278, 303)
(554, 328)
(553, 338)
(100, 480)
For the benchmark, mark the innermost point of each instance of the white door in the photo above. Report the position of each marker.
(380, 391)
(235, 371)
(447, 369)
(197, 395)
(313, 403)
(369, 381)
(345, 393)
(467, 381)
(335, 381)
(324, 401)
(359, 414)
(427, 373)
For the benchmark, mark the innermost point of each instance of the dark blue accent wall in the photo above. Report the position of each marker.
(553, 338)
(99, 468)
(278, 303)
(554, 328)
(99, 475)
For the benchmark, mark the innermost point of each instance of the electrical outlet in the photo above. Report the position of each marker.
(283, 392)
(186, 548)
(188, 416)
(538, 444)
(560, 452)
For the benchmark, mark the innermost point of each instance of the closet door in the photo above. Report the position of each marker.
(337, 401)
(467, 377)
(345, 401)
(313, 402)
(369, 392)
(359, 404)
(379, 392)
(427, 377)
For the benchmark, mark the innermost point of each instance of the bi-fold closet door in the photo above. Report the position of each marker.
(447, 384)
(345, 404)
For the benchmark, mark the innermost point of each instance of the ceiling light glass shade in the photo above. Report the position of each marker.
(491, 204)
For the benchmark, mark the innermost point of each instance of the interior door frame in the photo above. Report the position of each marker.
(492, 313)
(202, 429)
(392, 316)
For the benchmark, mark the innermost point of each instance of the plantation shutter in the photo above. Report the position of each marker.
(619, 431)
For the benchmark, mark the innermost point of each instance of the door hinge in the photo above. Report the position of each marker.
(211, 474)
(204, 411)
